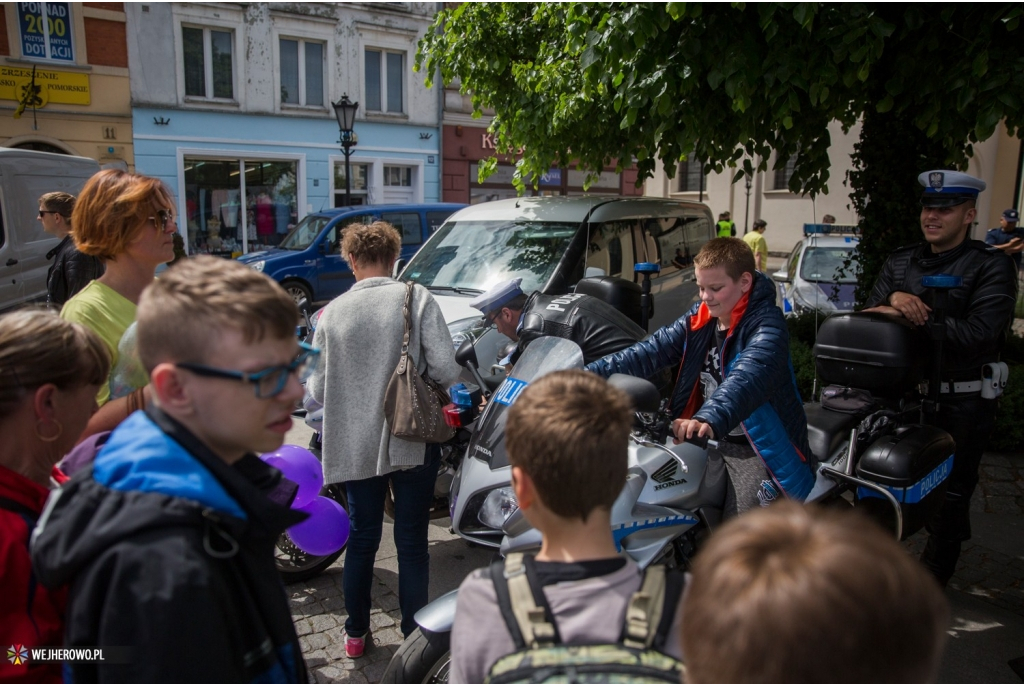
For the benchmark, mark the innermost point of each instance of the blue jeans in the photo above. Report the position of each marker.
(413, 491)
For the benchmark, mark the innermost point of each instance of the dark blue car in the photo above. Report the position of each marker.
(308, 261)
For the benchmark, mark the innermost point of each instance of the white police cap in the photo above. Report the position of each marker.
(498, 296)
(946, 188)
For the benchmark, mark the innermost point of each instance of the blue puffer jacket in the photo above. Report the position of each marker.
(758, 389)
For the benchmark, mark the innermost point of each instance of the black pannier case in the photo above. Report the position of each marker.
(876, 352)
(914, 464)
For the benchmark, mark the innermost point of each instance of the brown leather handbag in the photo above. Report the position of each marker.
(414, 404)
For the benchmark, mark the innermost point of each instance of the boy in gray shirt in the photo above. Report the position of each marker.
(567, 444)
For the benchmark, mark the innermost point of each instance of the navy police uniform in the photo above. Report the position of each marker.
(593, 324)
(977, 320)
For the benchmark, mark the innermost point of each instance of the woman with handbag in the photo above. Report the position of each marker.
(371, 338)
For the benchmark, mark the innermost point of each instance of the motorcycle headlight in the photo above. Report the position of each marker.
(466, 329)
(258, 266)
(497, 507)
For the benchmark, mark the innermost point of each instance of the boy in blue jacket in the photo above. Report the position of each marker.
(167, 538)
(736, 382)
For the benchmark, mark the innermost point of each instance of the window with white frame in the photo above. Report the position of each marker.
(385, 87)
(690, 177)
(783, 173)
(208, 56)
(398, 176)
(302, 72)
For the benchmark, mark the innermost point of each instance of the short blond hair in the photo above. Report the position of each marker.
(773, 584)
(38, 347)
(111, 208)
(569, 432)
(60, 202)
(181, 312)
(376, 243)
(732, 254)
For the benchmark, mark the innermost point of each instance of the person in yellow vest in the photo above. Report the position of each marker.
(726, 227)
(755, 239)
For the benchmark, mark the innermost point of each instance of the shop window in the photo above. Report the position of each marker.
(408, 224)
(302, 72)
(208, 58)
(238, 206)
(690, 177)
(784, 173)
(385, 88)
(359, 192)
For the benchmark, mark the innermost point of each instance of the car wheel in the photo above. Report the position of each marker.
(298, 291)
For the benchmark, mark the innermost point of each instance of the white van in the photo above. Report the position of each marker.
(24, 176)
(553, 243)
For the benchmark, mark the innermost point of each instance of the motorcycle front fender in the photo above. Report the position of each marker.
(438, 616)
(527, 541)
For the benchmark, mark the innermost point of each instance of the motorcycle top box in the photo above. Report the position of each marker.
(914, 464)
(872, 351)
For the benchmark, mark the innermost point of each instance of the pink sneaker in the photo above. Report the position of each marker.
(354, 646)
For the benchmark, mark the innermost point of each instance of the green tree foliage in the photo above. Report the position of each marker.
(594, 84)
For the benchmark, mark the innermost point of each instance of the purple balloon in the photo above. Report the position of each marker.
(302, 468)
(326, 529)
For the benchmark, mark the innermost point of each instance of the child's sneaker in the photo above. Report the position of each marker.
(354, 646)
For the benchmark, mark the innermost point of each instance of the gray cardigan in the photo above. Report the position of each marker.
(360, 338)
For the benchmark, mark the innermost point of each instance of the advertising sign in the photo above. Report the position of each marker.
(46, 30)
(54, 86)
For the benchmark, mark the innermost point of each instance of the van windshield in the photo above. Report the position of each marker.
(475, 255)
(303, 235)
(824, 265)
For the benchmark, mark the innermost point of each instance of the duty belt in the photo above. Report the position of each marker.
(959, 388)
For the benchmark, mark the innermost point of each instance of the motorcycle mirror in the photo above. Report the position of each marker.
(642, 392)
(466, 355)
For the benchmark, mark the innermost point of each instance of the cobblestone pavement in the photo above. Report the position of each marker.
(991, 569)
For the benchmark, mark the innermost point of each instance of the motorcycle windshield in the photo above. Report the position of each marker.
(543, 356)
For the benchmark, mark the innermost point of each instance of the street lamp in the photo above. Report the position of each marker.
(746, 218)
(345, 111)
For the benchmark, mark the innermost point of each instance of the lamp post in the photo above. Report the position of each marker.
(746, 218)
(345, 111)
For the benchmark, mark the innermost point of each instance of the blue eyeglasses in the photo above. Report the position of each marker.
(267, 382)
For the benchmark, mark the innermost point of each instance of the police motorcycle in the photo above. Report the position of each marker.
(873, 456)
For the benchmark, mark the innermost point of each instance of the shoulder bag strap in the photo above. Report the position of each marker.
(407, 310)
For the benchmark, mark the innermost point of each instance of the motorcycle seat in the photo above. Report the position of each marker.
(826, 430)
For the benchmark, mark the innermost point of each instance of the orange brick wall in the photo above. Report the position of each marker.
(105, 41)
(112, 6)
(5, 48)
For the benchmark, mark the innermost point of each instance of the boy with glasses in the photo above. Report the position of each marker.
(167, 541)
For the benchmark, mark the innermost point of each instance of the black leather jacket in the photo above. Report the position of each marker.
(70, 272)
(593, 324)
(979, 311)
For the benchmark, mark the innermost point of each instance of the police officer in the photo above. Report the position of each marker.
(977, 319)
(593, 324)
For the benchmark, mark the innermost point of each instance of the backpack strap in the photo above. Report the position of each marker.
(522, 602)
(652, 609)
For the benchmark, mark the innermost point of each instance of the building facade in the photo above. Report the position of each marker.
(997, 161)
(466, 143)
(64, 84)
(231, 107)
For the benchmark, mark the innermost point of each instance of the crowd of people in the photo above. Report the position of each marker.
(135, 512)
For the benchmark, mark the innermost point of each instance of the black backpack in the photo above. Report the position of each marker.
(540, 656)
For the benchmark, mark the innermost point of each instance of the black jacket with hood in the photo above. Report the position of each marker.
(168, 551)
